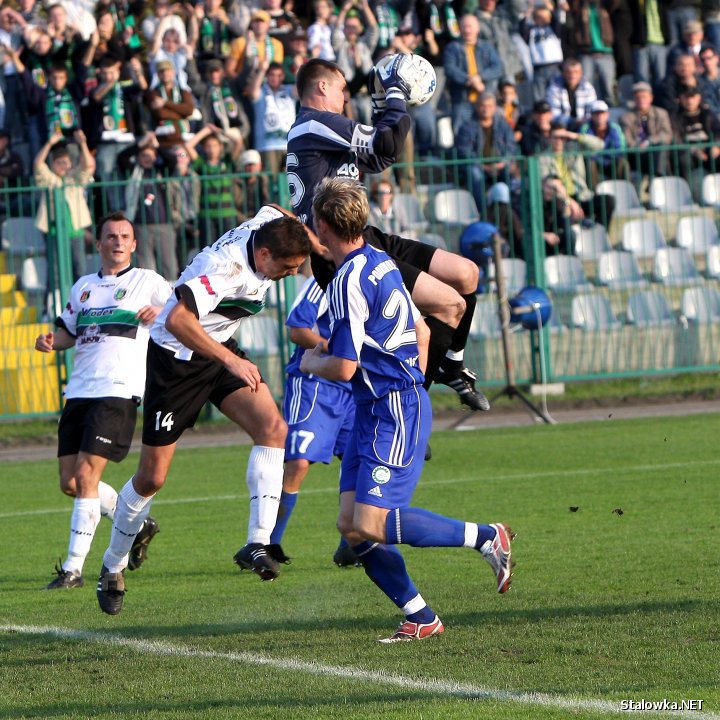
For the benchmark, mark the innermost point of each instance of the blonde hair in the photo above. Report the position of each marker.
(343, 205)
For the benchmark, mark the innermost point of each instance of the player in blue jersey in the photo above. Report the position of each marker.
(319, 413)
(324, 143)
(378, 342)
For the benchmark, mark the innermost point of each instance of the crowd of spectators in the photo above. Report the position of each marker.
(166, 96)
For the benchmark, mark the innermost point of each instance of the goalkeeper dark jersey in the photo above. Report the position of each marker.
(325, 144)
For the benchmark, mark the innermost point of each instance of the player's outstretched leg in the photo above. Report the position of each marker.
(385, 566)
(421, 528)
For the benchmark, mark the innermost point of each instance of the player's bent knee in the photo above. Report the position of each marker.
(68, 486)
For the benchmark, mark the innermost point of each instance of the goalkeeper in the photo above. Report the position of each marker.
(324, 143)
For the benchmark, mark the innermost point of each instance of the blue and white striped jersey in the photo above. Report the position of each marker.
(372, 321)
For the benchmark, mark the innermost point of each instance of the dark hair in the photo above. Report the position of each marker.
(275, 66)
(115, 216)
(285, 238)
(312, 71)
(60, 151)
(57, 69)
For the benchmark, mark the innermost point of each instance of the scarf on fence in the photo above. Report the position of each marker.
(60, 112)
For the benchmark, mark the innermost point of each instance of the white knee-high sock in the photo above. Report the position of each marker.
(264, 481)
(108, 500)
(130, 513)
(84, 521)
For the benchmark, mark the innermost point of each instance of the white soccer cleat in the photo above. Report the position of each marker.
(415, 631)
(498, 553)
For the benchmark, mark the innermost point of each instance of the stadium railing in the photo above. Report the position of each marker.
(657, 322)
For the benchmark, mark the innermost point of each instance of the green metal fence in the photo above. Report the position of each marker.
(634, 283)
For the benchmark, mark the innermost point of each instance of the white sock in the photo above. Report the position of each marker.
(130, 513)
(458, 355)
(84, 520)
(264, 481)
(108, 500)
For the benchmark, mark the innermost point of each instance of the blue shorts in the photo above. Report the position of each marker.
(386, 452)
(319, 417)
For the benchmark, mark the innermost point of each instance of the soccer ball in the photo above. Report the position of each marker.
(416, 71)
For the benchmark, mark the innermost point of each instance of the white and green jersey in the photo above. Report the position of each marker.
(221, 286)
(111, 344)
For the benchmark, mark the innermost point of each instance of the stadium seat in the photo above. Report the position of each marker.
(648, 308)
(675, 266)
(564, 273)
(21, 238)
(712, 263)
(454, 207)
(485, 321)
(627, 201)
(696, 233)
(711, 190)
(408, 212)
(592, 312)
(701, 304)
(590, 241)
(514, 272)
(670, 194)
(643, 238)
(619, 270)
(33, 276)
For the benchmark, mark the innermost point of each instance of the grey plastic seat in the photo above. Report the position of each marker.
(619, 270)
(642, 237)
(675, 266)
(592, 311)
(648, 308)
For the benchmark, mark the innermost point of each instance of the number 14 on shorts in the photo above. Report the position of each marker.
(165, 421)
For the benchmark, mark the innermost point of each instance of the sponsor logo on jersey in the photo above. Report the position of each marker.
(206, 284)
(380, 474)
(103, 439)
(85, 296)
(120, 293)
(375, 491)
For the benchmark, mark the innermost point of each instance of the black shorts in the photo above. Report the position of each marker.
(176, 391)
(411, 257)
(97, 426)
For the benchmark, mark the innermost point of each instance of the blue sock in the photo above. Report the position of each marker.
(422, 528)
(385, 566)
(287, 505)
(485, 533)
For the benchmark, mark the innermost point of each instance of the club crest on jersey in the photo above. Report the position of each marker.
(380, 474)
(85, 296)
(120, 293)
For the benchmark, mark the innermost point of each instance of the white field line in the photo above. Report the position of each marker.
(425, 483)
(431, 686)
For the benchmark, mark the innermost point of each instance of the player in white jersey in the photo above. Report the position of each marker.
(378, 342)
(192, 358)
(107, 320)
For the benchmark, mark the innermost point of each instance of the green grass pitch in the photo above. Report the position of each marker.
(616, 599)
